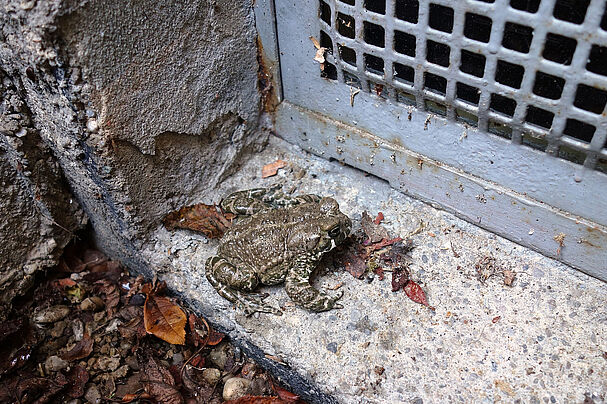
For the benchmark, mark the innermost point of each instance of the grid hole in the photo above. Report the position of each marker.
(329, 71)
(539, 117)
(405, 98)
(509, 74)
(435, 107)
(374, 64)
(468, 93)
(530, 6)
(377, 6)
(571, 154)
(472, 63)
(346, 25)
(537, 143)
(435, 83)
(350, 2)
(477, 27)
(486, 1)
(441, 18)
(500, 129)
(502, 105)
(597, 62)
(325, 12)
(571, 10)
(348, 55)
(590, 99)
(517, 37)
(548, 86)
(579, 130)
(352, 80)
(604, 20)
(407, 10)
(601, 165)
(559, 48)
(374, 34)
(325, 41)
(437, 53)
(404, 73)
(404, 43)
(466, 117)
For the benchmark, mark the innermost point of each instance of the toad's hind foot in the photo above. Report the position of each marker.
(305, 295)
(248, 302)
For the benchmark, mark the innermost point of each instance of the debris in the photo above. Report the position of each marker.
(486, 267)
(54, 364)
(235, 387)
(207, 219)
(94, 303)
(158, 381)
(374, 231)
(379, 218)
(560, 238)
(211, 376)
(416, 293)
(163, 318)
(52, 314)
(353, 94)
(271, 169)
(496, 319)
(508, 277)
(81, 350)
(400, 278)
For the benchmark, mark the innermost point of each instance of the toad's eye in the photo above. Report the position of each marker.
(334, 232)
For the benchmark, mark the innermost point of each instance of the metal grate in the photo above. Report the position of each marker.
(531, 71)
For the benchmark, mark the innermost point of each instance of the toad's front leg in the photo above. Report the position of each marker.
(297, 285)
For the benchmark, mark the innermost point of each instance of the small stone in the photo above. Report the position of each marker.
(55, 364)
(107, 364)
(235, 387)
(211, 376)
(92, 395)
(177, 358)
(99, 316)
(131, 361)
(122, 371)
(74, 401)
(58, 329)
(52, 314)
(93, 303)
(219, 355)
(78, 330)
(92, 125)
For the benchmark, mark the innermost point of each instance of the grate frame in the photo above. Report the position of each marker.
(387, 129)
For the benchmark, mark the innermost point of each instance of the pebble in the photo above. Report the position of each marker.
(52, 314)
(92, 395)
(235, 388)
(55, 364)
(78, 330)
(93, 303)
(58, 329)
(211, 376)
(219, 355)
(107, 364)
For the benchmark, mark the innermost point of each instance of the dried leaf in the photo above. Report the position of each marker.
(201, 333)
(320, 55)
(508, 277)
(400, 277)
(496, 319)
(17, 341)
(315, 42)
(385, 243)
(379, 218)
(256, 400)
(128, 398)
(81, 350)
(158, 381)
(374, 232)
(285, 395)
(164, 319)
(110, 293)
(271, 169)
(77, 378)
(206, 219)
(415, 293)
(354, 263)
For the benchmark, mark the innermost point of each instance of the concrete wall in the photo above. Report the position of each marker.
(145, 106)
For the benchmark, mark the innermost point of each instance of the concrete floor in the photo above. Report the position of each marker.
(540, 340)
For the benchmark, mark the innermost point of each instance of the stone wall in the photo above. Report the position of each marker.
(141, 106)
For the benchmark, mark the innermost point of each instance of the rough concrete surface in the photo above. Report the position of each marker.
(142, 104)
(539, 340)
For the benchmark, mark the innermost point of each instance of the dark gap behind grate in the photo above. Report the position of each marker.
(477, 27)
(348, 55)
(590, 99)
(531, 6)
(517, 37)
(377, 6)
(404, 73)
(346, 25)
(374, 64)
(559, 48)
(325, 12)
(604, 20)
(437, 53)
(435, 83)
(406, 10)
(597, 62)
(509, 74)
(374, 34)
(441, 18)
(579, 130)
(503, 105)
(350, 2)
(571, 10)
(468, 93)
(325, 41)
(329, 71)
(472, 63)
(404, 43)
(539, 117)
(548, 86)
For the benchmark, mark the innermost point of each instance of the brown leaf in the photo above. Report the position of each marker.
(384, 243)
(271, 169)
(206, 219)
(375, 232)
(256, 400)
(77, 378)
(400, 277)
(81, 350)
(164, 319)
(354, 263)
(128, 398)
(379, 218)
(110, 293)
(158, 381)
(285, 395)
(496, 319)
(416, 293)
(17, 340)
(508, 277)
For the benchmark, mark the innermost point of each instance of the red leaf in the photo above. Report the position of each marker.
(286, 395)
(384, 243)
(379, 218)
(271, 169)
(496, 319)
(415, 293)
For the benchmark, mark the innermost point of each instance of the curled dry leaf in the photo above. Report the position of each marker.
(271, 169)
(164, 319)
(81, 350)
(375, 232)
(77, 378)
(416, 293)
(158, 381)
(508, 277)
(207, 219)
